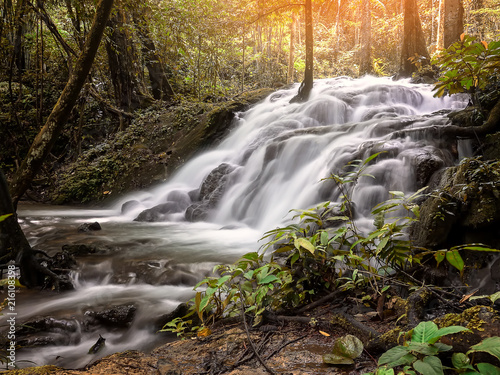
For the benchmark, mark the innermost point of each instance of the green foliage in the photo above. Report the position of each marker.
(420, 354)
(467, 66)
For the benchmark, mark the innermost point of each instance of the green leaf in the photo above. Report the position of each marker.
(489, 345)
(268, 279)
(302, 242)
(424, 331)
(439, 256)
(446, 331)
(423, 348)
(393, 355)
(488, 369)
(251, 256)
(461, 361)
(454, 258)
(3, 217)
(430, 365)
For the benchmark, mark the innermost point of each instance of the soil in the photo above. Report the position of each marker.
(287, 348)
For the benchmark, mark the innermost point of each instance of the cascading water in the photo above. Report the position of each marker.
(273, 161)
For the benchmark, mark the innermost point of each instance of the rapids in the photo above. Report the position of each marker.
(276, 156)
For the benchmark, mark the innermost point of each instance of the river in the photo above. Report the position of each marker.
(274, 160)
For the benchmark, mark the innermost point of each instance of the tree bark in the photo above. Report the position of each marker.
(14, 245)
(160, 86)
(413, 40)
(453, 22)
(307, 84)
(47, 136)
(365, 60)
(291, 54)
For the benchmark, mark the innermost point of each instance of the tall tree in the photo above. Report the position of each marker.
(54, 124)
(291, 53)
(160, 86)
(453, 22)
(365, 60)
(414, 45)
(123, 63)
(307, 84)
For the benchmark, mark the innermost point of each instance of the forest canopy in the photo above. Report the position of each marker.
(200, 50)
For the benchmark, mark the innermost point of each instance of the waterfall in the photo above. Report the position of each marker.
(277, 154)
(273, 161)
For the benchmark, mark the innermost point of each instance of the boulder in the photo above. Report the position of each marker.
(211, 192)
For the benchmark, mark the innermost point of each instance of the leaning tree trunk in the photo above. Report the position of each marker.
(413, 40)
(307, 84)
(47, 136)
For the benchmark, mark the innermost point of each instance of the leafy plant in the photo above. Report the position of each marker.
(420, 354)
(467, 66)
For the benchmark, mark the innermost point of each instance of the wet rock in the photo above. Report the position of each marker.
(117, 316)
(129, 206)
(159, 212)
(83, 249)
(89, 227)
(464, 209)
(211, 191)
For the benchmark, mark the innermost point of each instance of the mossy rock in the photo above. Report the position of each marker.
(483, 321)
(41, 370)
(157, 143)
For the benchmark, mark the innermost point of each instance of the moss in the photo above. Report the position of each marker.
(474, 318)
(41, 370)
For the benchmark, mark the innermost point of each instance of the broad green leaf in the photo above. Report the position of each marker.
(268, 279)
(446, 331)
(393, 355)
(424, 331)
(430, 365)
(423, 348)
(489, 345)
(453, 257)
(488, 369)
(302, 242)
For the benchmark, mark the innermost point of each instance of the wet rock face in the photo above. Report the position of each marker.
(465, 207)
(159, 212)
(211, 191)
(117, 316)
(89, 227)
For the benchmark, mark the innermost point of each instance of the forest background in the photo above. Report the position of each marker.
(182, 51)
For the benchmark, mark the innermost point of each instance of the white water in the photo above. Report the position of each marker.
(280, 153)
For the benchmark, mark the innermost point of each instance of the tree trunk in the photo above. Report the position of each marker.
(365, 61)
(413, 40)
(129, 89)
(307, 84)
(453, 22)
(15, 247)
(160, 86)
(291, 54)
(47, 136)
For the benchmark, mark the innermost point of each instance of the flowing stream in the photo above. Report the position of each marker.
(272, 161)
